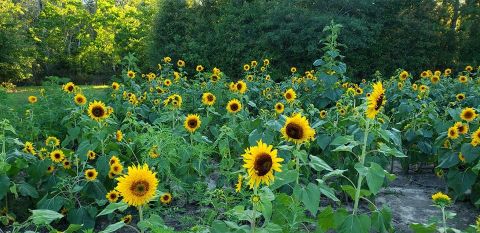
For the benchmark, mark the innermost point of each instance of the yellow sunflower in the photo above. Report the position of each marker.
(297, 129)
(167, 82)
(52, 141)
(261, 161)
(57, 156)
(119, 135)
(462, 79)
(97, 110)
(91, 174)
(238, 185)
(461, 157)
(460, 97)
(69, 87)
(453, 132)
(80, 99)
(234, 106)
(279, 107)
(91, 155)
(67, 164)
(424, 74)
(246, 67)
(441, 199)
(153, 152)
(113, 160)
(403, 75)
(167, 59)
(131, 74)
(376, 100)
(266, 62)
(423, 88)
(214, 78)
(192, 122)
(476, 136)
(127, 219)
(50, 169)
(113, 196)
(32, 99)
(180, 63)
(138, 186)
(116, 168)
(462, 128)
(468, 114)
(323, 114)
(115, 86)
(241, 86)
(414, 86)
(435, 79)
(448, 71)
(166, 198)
(199, 68)
(208, 99)
(290, 95)
(469, 68)
(293, 69)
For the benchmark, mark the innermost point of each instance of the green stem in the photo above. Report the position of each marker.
(140, 211)
(297, 163)
(253, 212)
(362, 162)
(444, 218)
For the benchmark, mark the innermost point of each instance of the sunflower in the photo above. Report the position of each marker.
(97, 110)
(476, 136)
(199, 68)
(460, 97)
(279, 107)
(127, 219)
(376, 100)
(69, 87)
(342, 111)
(403, 75)
(359, 91)
(232, 87)
(461, 157)
(32, 99)
(462, 128)
(208, 99)
(250, 78)
(434, 79)
(116, 168)
(174, 100)
(91, 155)
(153, 152)
(52, 141)
(113, 196)
(290, 95)
(234, 106)
(115, 86)
(246, 67)
(414, 86)
(323, 114)
(42, 153)
(462, 79)
(441, 199)
(57, 156)
(241, 86)
(216, 70)
(80, 99)
(50, 169)
(423, 88)
(138, 186)
(238, 185)
(180, 63)
(192, 122)
(91, 174)
(29, 148)
(468, 114)
(167, 82)
(293, 69)
(448, 71)
(260, 161)
(424, 74)
(214, 78)
(113, 160)
(131, 74)
(469, 68)
(453, 132)
(266, 62)
(166, 198)
(254, 63)
(297, 129)
(119, 135)
(67, 164)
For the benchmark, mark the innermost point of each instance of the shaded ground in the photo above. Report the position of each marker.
(409, 196)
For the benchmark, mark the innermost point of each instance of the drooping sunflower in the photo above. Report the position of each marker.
(199, 68)
(131, 74)
(238, 185)
(462, 79)
(69, 87)
(462, 128)
(57, 156)
(279, 107)
(113, 196)
(241, 86)
(441, 199)
(116, 168)
(208, 99)
(91, 155)
(323, 114)
(297, 129)
(290, 95)
(119, 135)
(261, 161)
(153, 152)
(32, 99)
(80, 99)
(97, 110)
(468, 114)
(52, 141)
(127, 219)
(166, 198)
(234, 106)
(460, 97)
(192, 122)
(91, 174)
(138, 186)
(453, 132)
(376, 100)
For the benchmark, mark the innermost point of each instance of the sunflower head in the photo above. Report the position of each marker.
(441, 199)
(462, 79)
(91, 174)
(67, 164)
(214, 78)
(376, 100)
(290, 95)
(462, 128)
(192, 122)
(91, 155)
(50, 169)
(119, 135)
(241, 86)
(167, 82)
(435, 79)
(246, 67)
(461, 157)
(97, 110)
(297, 129)
(261, 161)
(138, 186)
(208, 99)
(57, 156)
(153, 152)
(166, 198)
(180, 63)
(29, 148)
(469, 68)
(460, 97)
(468, 114)
(116, 168)
(414, 86)
(113, 196)
(279, 107)
(424, 74)
(447, 71)
(113, 160)
(127, 219)
(234, 106)
(115, 86)
(293, 69)
(69, 87)
(131, 74)
(403, 75)
(452, 132)
(32, 99)
(199, 68)
(52, 141)
(323, 114)
(476, 137)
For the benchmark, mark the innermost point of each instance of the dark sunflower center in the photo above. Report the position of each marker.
(113, 196)
(80, 99)
(214, 78)
(288, 96)
(98, 111)
(239, 86)
(70, 88)
(452, 132)
(279, 107)
(57, 156)
(263, 164)
(461, 128)
(460, 97)
(90, 174)
(210, 98)
(468, 115)
(67, 163)
(139, 188)
(192, 123)
(294, 131)
(234, 107)
(166, 197)
(379, 102)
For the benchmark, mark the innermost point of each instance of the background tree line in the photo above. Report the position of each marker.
(86, 39)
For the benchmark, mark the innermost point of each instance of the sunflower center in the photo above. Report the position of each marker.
(452, 132)
(288, 96)
(294, 131)
(210, 98)
(239, 86)
(166, 197)
(139, 188)
(279, 107)
(57, 156)
(263, 164)
(113, 196)
(98, 111)
(234, 107)
(70, 88)
(90, 174)
(192, 123)
(379, 102)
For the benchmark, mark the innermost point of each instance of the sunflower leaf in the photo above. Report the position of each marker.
(122, 206)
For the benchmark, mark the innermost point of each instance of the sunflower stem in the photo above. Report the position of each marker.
(444, 219)
(140, 211)
(297, 163)
(362, 161)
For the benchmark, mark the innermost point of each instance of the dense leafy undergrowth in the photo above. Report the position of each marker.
(167, 150)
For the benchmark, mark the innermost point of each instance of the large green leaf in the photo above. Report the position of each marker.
(4, 184)
(113, 227)
(44, 217)
(310, 197)
(318, 164)
(112, 207)
(355, 224)
(375, 177)
(283, 178)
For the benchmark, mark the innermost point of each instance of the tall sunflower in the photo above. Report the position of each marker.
(208, 99)
(234, 106)
(138, 186)
(97, 110)
(80, 99)
(297, 129)
(376, 100)
(261, 161)
(468, 114)
(192, 122)
(290, 95)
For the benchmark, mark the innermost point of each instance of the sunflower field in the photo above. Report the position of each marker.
(166, 150)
